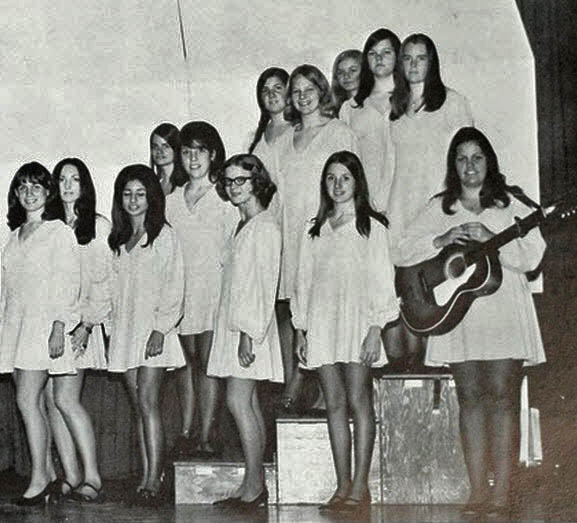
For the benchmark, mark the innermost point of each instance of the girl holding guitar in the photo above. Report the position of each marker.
(499, 334)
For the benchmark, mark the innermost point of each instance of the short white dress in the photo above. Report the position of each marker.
(421, 142)
(344, 286)
(147, 295)
(250, 279)
(202, 233)
(499, 326)
(300, 176)
(372, 126)
(94, 303)
(40, 285)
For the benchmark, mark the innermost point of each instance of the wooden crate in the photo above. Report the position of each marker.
(306, 472)
(198, 482)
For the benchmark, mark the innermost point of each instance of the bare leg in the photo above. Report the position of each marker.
(473, 425)
(149, 383)
(292, 374)
(503, 378)
(334, 390)
(63, 439)
(240, 401)
(29, 389)
(185, 378)
(130, 380)
(209, 393)
(67, 395)
(360, 399)
(44, 408)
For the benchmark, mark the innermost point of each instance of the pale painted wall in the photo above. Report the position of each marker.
(91, 79)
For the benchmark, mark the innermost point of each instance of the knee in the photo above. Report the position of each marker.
(503, 398)
(234, 404)
(66, 403)
(335, 402)
(26, 402)
(148, 402)
(471, 397)
(361, 400)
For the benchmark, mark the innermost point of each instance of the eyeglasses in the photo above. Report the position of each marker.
(239, 180)
(36, 189)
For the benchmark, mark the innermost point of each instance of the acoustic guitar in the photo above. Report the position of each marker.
(437, 293)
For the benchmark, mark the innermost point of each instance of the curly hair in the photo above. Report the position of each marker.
(84, 206)
(263, 187)
(32, 172)
(155, 218)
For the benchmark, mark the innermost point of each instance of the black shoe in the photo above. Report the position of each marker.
(42, 498)
(226, 502)
(249, 506)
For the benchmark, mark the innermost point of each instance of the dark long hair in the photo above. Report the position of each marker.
(204, 134)
(434, 92)
(338, 94)
(318, 79)
(155, 215)
(32, 172)
(367, 80)
(263, 187)
(171, 135)
(271, 72)
(364, 210)
(84, 206)
(494, 190)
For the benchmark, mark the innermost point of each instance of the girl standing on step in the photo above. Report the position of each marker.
(164, 147)
(246, 347)
(202, 222)
(344, 296)
(147, 304)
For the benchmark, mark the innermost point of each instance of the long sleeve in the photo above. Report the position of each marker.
(255, 275)
(383, 303)
(300, 302)
(169, 308)
(97, 263)
(65, 276)
(523, 254)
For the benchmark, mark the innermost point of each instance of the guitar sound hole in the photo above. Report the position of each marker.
(455, 267)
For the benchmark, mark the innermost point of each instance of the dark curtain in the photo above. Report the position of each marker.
(549, 27)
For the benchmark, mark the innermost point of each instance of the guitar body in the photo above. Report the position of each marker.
(437, 293)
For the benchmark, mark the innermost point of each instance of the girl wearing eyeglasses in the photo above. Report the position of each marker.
(202, 222)
(246, 347)
(38, 306)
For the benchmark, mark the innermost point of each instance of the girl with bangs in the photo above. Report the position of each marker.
(74, 203)
(344, 296)
(303, 151)
(38, 305)
(147, 305)
(203, 223)
(368, 112)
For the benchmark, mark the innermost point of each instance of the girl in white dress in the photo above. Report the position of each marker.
(368, 113)
(346, 76)
(500, 332)
(74, 203)
(147, 305)
(203, 223)
(344, 296)
(38, 305)
(425, 115)
(164, 147)
(246, 345)
(271, 89)
(303, 151)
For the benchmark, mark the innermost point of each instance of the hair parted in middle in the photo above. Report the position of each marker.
(199, 133)
(155, 218)
(363, 207)
(84, 206)
(318, 79)
(494, 191)
(434, 92)
(263, 187)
